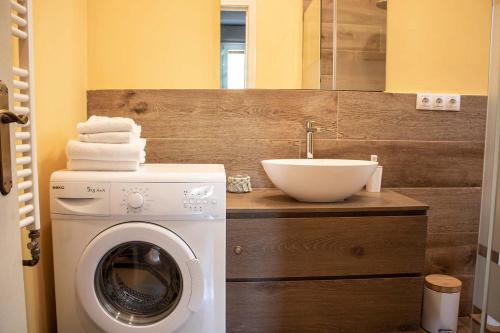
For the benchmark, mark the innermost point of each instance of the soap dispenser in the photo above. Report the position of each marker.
(375, 182)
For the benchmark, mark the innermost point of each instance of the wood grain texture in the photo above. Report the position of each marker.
(360, 48)
(339, 306)
(339, 246)
(272, 200)
(327, 11)
(326, 35)
(417, 150)
(451, 210)
(451, 253)
(326, 61)
(326, 82)
(466, 294)
(360, 12)
(238, 156)
(476, 325)
(358, 37)
(230, 114)
(360, 70)
(376, 116)
(443, 283)
(413, 163)
(464, 326)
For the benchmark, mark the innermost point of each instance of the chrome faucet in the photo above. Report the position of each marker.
(310, 129)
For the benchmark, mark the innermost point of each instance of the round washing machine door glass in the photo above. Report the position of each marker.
(139, 275)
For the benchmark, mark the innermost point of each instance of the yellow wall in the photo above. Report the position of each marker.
(279, 44)
(60, 78)
(153, 44)
(175, 44)
(438, 46)
(455, 60)
(311, 55)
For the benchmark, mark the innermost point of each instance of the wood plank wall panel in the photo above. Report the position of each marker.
(360, 49)
(327, 31)
(325, 306)
(359, 37)
(454, 254)
(375, 116)
(326, 36)
(239, 156)
(327, 11)
(453, 222)
(452, 210)
(360, 12)
(326, 64)
(451, 253)
(408, 163)
(231, 114)
(435, 157)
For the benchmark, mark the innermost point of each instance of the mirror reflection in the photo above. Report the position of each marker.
(353, 44)
(238, 44)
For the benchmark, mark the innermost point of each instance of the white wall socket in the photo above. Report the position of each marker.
(438, 102)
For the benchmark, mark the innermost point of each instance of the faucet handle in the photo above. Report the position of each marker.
(310, 123)
(325, 129)
(311, 127)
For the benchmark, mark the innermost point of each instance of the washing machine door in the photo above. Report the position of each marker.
(139, 277)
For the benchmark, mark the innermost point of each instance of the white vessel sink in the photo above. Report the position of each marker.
(319, 180)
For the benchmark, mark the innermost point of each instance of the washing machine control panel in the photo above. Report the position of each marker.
(173, 199)
(134, 199)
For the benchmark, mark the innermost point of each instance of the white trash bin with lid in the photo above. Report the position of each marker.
(440, 306)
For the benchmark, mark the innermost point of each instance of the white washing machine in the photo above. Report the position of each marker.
(140, 251)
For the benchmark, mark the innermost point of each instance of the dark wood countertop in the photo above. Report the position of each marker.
(270, 202)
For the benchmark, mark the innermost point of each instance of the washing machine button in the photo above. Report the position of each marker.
(135, 200)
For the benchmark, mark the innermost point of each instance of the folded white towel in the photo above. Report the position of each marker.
(91, 165)
(133, 151)
(98, 124)
(110, 137)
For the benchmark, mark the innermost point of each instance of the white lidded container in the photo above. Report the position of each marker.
(441, 301)
(375, 182)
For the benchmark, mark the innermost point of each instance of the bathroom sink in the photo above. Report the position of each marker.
(319, 180)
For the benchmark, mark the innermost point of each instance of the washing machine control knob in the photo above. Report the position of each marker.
(135, 200)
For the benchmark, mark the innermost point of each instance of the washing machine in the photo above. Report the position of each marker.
(140, 251)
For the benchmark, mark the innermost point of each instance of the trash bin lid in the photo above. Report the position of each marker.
(443, 283)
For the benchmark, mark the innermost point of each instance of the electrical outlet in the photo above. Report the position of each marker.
(453, 102)
(438, 102)
(425, 101)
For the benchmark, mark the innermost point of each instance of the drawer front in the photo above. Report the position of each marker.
(336, 246)
(357, 305)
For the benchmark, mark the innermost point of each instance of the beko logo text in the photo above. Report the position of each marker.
(58, 187)
(95, 190)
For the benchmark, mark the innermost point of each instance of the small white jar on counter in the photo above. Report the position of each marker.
(441, 301)
(375, 182)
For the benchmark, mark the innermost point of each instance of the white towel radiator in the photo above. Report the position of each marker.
(17, 105)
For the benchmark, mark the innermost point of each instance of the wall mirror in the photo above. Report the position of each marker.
(285, 44)
(308, 44)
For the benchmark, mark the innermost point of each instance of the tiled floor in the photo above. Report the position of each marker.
(464, 325)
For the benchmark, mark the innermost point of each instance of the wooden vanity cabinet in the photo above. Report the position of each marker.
(354, 266)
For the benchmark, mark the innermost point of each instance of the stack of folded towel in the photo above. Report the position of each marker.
(107, 144)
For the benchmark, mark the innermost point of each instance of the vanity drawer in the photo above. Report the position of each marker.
(353, 305)
(325, 246)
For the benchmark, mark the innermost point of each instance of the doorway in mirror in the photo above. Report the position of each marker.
(233, 61)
